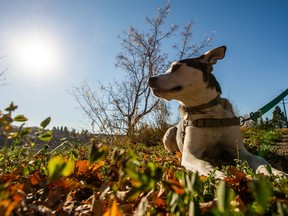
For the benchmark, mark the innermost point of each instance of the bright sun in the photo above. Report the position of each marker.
(35, 55)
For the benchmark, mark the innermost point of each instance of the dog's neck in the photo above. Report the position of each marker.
(186, 110)
(209, 99)
(198, 98)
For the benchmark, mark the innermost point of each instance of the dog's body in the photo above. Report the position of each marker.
(208, 128)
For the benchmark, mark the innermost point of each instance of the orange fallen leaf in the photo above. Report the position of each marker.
(81, 167)
(35, 179)
(179, 154)
(15, 188)
(202, 177)
(67, 183)
(96, 167)
(113, 210)
(160, 203)
(7, 177)
(175, 186)
(237, 173)
(7, 206)
(18, 197)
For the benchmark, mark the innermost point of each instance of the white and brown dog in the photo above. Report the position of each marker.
(208, 129)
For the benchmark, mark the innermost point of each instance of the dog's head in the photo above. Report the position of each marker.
(189, 80)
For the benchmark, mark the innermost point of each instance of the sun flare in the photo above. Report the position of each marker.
(35, 55)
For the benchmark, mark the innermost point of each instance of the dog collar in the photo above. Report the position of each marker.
(210, 104)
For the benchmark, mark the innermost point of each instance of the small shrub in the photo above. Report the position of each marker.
(148, 135)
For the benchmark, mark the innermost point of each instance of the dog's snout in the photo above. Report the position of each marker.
(151, 81)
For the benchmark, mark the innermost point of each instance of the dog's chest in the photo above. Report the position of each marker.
(207, 142)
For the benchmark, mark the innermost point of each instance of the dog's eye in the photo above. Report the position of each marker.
(175, 68)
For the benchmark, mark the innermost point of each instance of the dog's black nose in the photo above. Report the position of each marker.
(151, 81)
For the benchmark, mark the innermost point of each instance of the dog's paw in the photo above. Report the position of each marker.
(263, 169)
(279, 173)
(220, 175)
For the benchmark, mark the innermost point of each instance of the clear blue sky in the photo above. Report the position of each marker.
(83, 39)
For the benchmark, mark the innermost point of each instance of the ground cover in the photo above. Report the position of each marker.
(114, 176)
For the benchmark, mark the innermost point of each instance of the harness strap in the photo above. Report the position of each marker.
(207, 122)
(210, 122)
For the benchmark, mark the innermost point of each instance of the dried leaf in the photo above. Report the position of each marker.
(69, 203)
(113, 210)
(160, 203)
(237, 173)
(15, 188)
(141, 209)
(54, 196)
(81, 167)
(97, 205)
(175, 186)
(98, 197)
(8, 177)
(179, 154)
(7, 206)
(203, 178)
(67, 183)
(35, 179)
(18, 197)
(8, 128)
(95, 167)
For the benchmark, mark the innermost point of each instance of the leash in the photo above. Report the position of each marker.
(255, 115)
(212, 122)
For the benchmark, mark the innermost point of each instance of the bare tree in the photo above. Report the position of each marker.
(2, 72)
(2, 78)
(121, 105)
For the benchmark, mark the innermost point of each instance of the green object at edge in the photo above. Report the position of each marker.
(254, 116)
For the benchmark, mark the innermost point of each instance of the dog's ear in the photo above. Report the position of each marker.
(213, 55)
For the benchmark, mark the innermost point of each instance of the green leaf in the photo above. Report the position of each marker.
(25, 131)
(134, 193)
(194, 208)
(97, 153)
(59, 167)
(6, 119)
(224, 197)
(282, 208)
(45, 123)
(20, 118)
(263, 194)
(46, 136)
(11, 107)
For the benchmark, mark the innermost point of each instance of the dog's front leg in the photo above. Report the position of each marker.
(195, 144)
(169, 140)
(258, 164)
